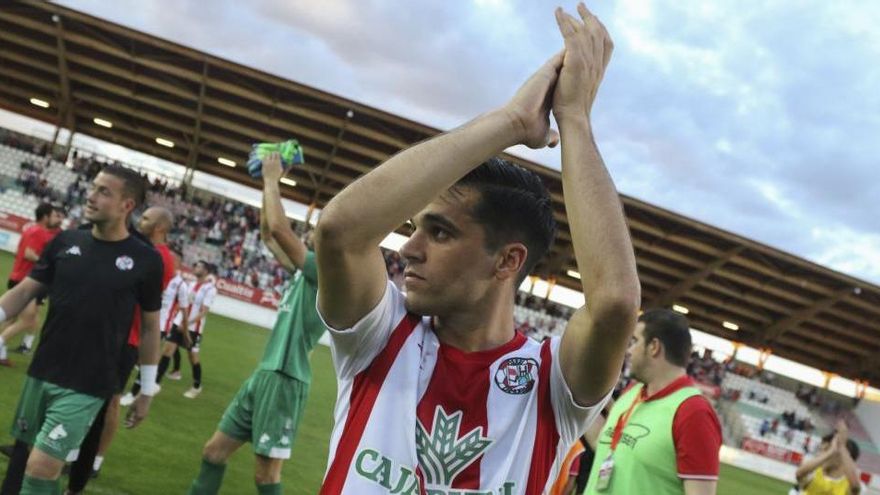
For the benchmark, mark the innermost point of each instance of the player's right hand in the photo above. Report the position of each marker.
(138, 410)
(272, 170)
(529, 109)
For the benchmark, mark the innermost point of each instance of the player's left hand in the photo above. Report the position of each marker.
(588, 49)
(138, 411)
(842, 432)
(272, 170)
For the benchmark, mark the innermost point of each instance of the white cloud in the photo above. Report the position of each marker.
(759, 117)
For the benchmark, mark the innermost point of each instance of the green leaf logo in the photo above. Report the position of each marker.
(443, 454)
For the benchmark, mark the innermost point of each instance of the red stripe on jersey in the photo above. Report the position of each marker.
(460, 382)
(546, 435)
(166, 326)
(364, 392)
(134, 332)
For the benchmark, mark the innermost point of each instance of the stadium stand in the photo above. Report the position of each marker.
(226, 232)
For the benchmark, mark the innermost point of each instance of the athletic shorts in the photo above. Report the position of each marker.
(54, 419)
(176, 337)
(127, 360)
(12, 283)
(266, 411)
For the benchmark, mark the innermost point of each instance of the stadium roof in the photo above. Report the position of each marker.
(210, 108)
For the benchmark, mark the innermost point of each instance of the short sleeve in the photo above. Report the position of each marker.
(42, 240)
(310, 268)
(696, 432)
(355, 348)
(150, 289)
(210, 294)
(44, 269)
(572, 419)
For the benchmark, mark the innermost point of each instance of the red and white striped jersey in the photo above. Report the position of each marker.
(202, 295)
(175, 297)
(414, 416)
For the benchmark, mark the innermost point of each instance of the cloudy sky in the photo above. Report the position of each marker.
(761, 117)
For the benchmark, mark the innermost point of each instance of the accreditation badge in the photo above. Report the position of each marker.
(605, 472)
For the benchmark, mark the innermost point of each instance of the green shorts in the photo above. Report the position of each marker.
(266, 412)
(54, 419)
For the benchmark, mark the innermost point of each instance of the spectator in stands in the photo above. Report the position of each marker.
(834, 470)
(662, 412)
(765, 427)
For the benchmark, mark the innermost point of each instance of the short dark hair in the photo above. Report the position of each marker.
(851, 445)
(210, 267)
(44, 210)
(514, 206)
(672, 330)
(135, 186)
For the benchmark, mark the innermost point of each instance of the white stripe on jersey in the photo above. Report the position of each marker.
(174, 298)
(516, 413)
(201, 295)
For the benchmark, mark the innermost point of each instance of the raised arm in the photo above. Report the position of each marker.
(850, 470)
(597, 336)
(275, 229)
(805, 470)
(351, 270)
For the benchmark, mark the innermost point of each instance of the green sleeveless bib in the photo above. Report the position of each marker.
(644, 461)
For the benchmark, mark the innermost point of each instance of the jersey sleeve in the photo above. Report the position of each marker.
(210, 294)
(354, 348)
(44, 269)
(696, 432)
(41, 240)
(310, 268)
(150, 288)
(572, 419)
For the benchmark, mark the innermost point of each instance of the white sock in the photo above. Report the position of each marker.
(29, 340)
(99, 459)
(2, 342)
(2, 352)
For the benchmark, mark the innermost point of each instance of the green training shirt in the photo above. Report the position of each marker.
(297, 326)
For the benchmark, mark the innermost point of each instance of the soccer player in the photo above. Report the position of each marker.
(94, 278)
(269, 405)
(152, 229)
(437, 391)
(834, 470)
(189, 335)
(662, 436)
(32, 242)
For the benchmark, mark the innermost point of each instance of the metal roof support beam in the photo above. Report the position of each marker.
(777, 329)
(329, 161)
(197, 130)
(65, 112)
(684, 286)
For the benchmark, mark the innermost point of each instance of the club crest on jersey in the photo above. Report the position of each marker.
(124, 263)
(517, 375)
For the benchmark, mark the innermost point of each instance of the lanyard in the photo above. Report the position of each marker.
(622, 420)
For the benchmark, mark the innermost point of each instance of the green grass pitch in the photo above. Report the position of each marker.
(162, 455)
